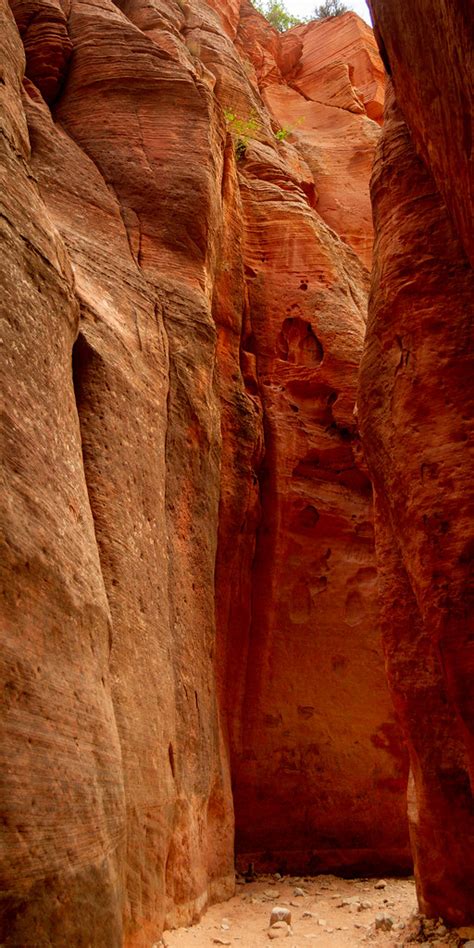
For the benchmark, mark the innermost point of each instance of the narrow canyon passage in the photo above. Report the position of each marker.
(237, 495)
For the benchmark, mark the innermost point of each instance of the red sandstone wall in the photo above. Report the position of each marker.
(63, 795)
(190, 571)
(324, 83)
(313, 635)
(416, 411)
(313, 574)
(428, 50)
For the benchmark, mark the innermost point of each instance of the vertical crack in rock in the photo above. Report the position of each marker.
(82, 366)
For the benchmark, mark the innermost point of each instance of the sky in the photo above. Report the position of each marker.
(305, 7)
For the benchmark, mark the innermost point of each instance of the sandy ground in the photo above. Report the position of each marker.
(330, 913)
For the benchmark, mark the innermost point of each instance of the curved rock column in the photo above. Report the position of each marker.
(416, 406)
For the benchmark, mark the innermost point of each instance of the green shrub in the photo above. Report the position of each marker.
(329, 8)
(282, 133)
(242, 130)
(276, 14)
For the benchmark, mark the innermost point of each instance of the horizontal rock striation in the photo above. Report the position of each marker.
(190, 582)
(324, 86)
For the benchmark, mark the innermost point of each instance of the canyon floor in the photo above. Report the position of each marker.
(326, 911)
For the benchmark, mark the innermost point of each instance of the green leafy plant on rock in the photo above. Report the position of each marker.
(276, 13)
(242, 130)
(282, 133)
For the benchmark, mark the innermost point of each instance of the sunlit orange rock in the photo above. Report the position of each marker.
(325, 90)
(336, 47)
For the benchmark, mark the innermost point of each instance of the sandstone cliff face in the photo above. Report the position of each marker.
(188, 519)
(63, 796)
(325, 84)
(416, 411)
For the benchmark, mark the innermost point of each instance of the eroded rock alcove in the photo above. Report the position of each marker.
(193, 665)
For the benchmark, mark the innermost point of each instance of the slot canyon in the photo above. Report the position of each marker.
(237, 578)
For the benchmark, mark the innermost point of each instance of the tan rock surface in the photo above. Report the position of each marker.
(63, 815)
(180, 822)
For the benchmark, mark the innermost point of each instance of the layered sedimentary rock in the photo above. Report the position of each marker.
(47, 44)
(331, 100)
(144, 400)
(340, 52)
(416, 411)
(313, 570)
(63, 803)
(190, 571)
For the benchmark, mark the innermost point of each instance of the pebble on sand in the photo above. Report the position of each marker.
(280, 914)
(279, 930)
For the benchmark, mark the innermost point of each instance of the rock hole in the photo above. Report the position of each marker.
(251, 385)
(307, 518)
(343, 433)
(82, 357)
(171, 758)
(305, 711)
(248, 344)
(298, 344)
